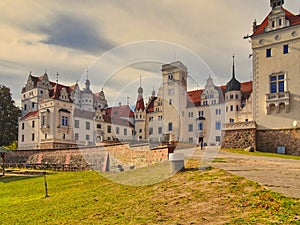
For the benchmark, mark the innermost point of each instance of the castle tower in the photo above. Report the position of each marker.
(87, 97)
(140, 115)
(233, 98)
(175, 99)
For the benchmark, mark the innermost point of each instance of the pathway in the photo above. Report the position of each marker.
(278, 174)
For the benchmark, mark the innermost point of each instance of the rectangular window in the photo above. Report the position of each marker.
(109, 129)
(218, 139)
(231, 120)
(285, 49)
(76, 125)
(23, 138)
(87, 125)
(170, 126)
(117, 130)
(32, 136)
(201, 114)
(231, 108)
(33, 124)
(99, 126)
(125, 131)
(200, 126)
(190, 127)
(64, 121)
(23, 126)
(140, 130)
(32, 105)
(279, 22)
(268, 52)
(150, 131)
(87, 137)
(218, 125)
(43, 121)
(76, 136)
(277, 83)
(170, 102)
(191, 140)
(160, 130)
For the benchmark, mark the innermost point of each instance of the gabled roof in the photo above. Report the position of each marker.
(194, 98)
(140, 105)
(30, 115)
(119, 115)
(150, 105)
(293, 19)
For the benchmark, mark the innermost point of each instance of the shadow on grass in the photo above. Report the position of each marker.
(8, 178)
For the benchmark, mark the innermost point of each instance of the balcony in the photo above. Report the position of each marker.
(278, 101)
(280, 96)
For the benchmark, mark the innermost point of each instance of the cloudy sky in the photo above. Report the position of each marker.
(117, 41)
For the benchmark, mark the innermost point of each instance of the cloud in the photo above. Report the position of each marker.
(72, 32)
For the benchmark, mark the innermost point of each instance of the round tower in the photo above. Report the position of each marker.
(233, 98)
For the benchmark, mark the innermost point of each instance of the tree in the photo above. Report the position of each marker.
(9, 114)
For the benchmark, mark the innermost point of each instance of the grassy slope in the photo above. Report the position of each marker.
(193, 196)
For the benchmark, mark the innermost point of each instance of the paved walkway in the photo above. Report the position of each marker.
(278, 174)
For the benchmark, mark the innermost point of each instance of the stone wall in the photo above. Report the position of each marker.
(101, 158)
(269, 140)
(240, 138)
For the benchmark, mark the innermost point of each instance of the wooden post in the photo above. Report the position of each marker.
(46, 187)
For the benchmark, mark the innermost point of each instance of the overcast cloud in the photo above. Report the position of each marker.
(69, 36)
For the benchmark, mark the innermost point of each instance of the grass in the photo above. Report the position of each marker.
(190, 197)
(242, 151)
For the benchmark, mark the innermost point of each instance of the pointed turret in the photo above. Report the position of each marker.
(233, 84)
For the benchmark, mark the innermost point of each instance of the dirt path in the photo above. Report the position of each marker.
(277, 174)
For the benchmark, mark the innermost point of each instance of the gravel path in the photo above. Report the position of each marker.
(277, 174)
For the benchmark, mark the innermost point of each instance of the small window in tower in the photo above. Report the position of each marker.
(285, 49)
(170, 126)
(268, 52)
(280, 22)
(170, 102)
(273, 24)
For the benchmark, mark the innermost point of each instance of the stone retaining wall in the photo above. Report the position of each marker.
(269, 140)
(98, 157)
(240, 138)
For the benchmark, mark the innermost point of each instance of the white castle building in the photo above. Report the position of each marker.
(59, 116)
(191, 116)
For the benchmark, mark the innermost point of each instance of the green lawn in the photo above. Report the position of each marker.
(191, 197)
(242, 151)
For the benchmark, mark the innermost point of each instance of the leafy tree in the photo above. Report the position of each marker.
(9, 114)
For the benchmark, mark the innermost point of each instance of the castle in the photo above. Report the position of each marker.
(263, 114)
(59, 116)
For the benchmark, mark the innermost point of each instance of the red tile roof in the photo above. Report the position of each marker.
(30, 115)
(140, 104)
(150, 105)
(119, 115)
(293, 19)
(194, 98)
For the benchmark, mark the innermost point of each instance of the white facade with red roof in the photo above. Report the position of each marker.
(60, 116)
(276, 68)
(191, 116)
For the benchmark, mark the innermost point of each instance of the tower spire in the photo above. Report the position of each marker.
(233, 68)
(140, 90)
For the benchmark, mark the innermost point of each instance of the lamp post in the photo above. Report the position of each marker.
(1, 128)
